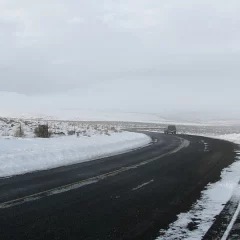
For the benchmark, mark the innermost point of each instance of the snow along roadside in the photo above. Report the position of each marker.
(19, 156)
(210, 204)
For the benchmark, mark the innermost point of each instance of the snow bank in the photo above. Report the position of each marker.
(230, 137)
(211, 203)
(18, 156)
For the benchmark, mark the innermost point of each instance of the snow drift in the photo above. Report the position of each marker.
(19, 156)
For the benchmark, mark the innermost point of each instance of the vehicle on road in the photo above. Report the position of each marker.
(171, 129)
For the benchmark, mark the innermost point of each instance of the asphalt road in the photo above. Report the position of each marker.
(129, 196)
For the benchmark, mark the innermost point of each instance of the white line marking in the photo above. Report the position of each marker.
(229, 228)
(72, 187)
(142, 185)
(236, 196)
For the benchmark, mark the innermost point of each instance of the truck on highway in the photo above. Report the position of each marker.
(171, 129)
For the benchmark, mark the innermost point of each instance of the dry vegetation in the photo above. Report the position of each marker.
(34, 128)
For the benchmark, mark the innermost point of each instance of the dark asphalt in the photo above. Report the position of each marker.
(133, 204)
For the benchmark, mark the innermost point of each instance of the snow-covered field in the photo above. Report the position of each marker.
(18, 156)
(94, 140)
(8, 127)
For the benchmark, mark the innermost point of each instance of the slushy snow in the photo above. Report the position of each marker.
(19, 156)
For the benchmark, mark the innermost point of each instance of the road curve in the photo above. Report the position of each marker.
(129, 196)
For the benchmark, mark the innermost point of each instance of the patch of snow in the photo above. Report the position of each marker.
(19, 156)
(231, 137)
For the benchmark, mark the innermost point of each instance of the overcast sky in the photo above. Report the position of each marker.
(128, 55)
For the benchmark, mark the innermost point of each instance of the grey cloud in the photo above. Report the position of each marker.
(123, 54)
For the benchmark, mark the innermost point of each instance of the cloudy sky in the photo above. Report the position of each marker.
(124, 56)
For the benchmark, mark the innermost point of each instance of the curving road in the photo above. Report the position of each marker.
(129, 196)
